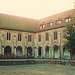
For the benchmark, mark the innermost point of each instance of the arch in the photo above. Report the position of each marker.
(65, 51)
(47, 51)
(39, 51)
(29, 51)
(19, 51)
(7, 51)
(55, 51)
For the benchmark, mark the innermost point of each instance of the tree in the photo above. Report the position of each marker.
(70, 36)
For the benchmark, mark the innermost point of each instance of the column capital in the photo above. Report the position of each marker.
(14, 46)
(35, 47)
(25, 47)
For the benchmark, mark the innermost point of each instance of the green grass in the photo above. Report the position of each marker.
(37, 70)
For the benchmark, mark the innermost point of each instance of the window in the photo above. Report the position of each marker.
(47, 36)
(55, 35)
(67, 20)
(42, 26)
(49, 24)
(58, 22)
(39, 38)
(19, 37)
(8, 36)
(29, 38)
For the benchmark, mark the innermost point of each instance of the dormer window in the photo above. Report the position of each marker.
(49, 24)
(42, 26)
(58, 22)
(67, 20)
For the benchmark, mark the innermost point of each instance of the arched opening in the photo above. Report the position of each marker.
(39, 51)
(66, 52)
(55, 51)
(19, 51)
(29, 51)
(7, 52)
(47, 51)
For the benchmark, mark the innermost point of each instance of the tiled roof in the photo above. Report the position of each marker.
(31, 25)
(60, 16)
(18, 23)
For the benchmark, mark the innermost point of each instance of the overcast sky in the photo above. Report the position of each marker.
(35, 9)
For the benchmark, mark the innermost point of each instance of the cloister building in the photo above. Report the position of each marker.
(32, 38)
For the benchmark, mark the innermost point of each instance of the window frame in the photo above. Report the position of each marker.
(29, 38)
(58, 22)
(68, 19)
(55, 35)
(19, 37)
(42, 26)
(8, 36)
(49, 24)
(39, 38)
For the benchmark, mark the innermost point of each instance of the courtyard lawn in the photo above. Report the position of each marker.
(37, 69)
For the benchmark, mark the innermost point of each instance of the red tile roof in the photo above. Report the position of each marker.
(60, 16)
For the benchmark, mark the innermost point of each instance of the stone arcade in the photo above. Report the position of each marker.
(31, 38)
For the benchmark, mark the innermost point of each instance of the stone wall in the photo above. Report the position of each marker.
(56, 47)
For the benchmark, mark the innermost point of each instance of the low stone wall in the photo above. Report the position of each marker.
(35, 61)
(16, 62)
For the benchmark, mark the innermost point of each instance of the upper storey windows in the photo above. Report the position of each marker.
(29, 38)
(8, 36)
(58, 22)
(68, 19)
(42, 26)
(52, 23)
(49, 24)
(19, 37)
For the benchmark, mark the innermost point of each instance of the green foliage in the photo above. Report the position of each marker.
(70, 36)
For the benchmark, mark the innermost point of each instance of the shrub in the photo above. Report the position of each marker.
(1, 56)
(12, 55)
(7, 56)
(23, 56)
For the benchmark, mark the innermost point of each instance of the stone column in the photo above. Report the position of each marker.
(32, 51)
(50, 52)
(50, 47)
(35, 48)
(59, 45)
(25, 49)
(59, 52)
(14, 50)
(41, 52)
(42, 49)
(14, 44)
(62, 52)
(36, 53)
(2, 52)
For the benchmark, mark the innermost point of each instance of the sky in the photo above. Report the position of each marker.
(35, 9)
